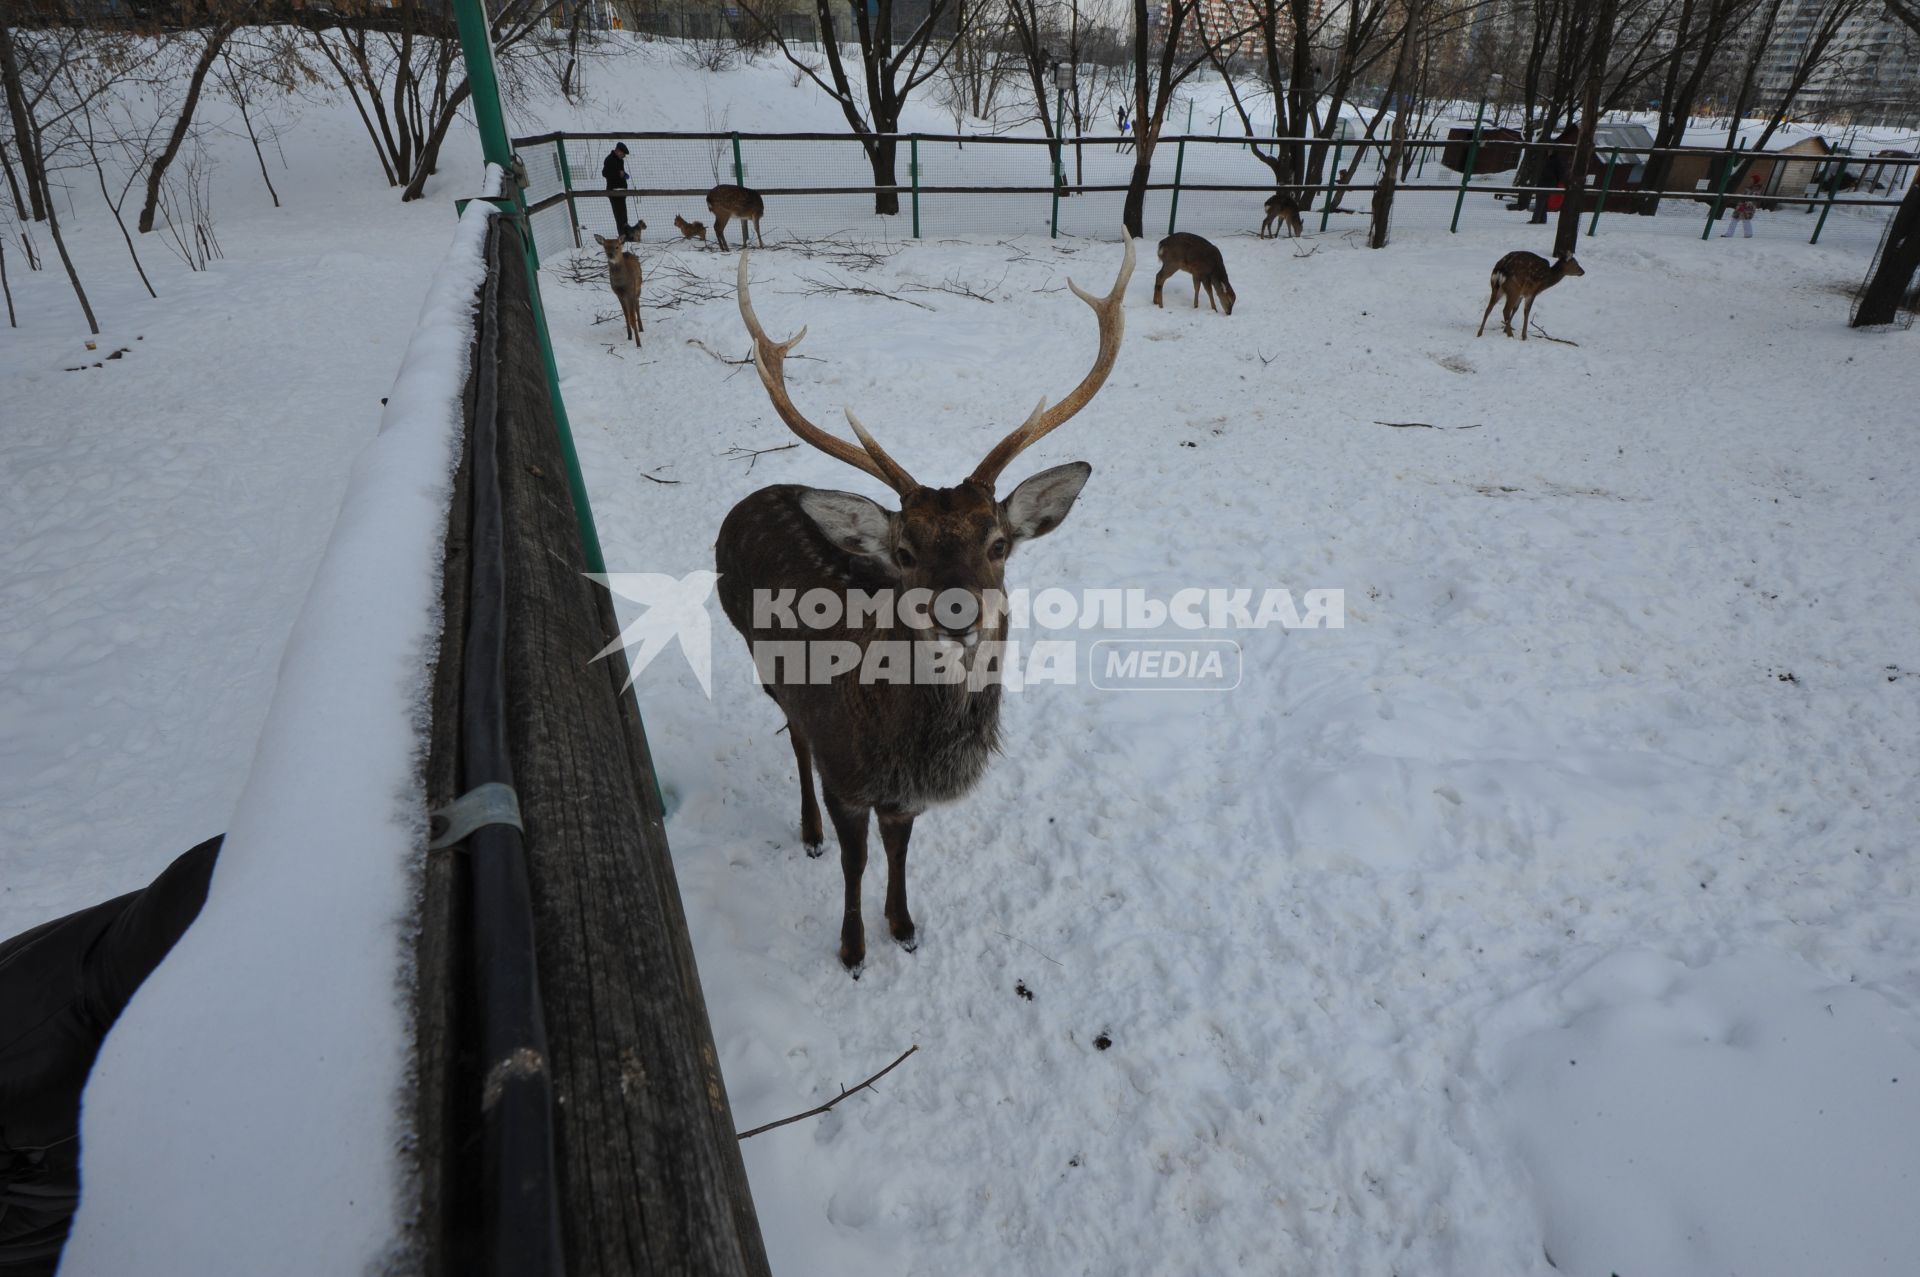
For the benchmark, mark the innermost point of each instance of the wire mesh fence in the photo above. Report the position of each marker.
(824, 184)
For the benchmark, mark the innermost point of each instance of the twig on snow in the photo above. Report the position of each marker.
(815, 287)
(844, 1093)
(1425, 425)
(1550, 337)
(753, 455)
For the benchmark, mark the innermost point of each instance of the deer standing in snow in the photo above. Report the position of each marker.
(897, 747)
(1199, 258)
(1523, 276)
(623, 274)
(1281, 208)
(726, 201)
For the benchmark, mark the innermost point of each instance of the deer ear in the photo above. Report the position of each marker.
(1040, 505)
(850, 521)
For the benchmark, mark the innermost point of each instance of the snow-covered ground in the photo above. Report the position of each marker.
(1558, 909)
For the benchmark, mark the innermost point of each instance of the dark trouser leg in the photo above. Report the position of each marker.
(621, 225)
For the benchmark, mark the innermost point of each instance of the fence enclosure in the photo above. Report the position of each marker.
(822, 183)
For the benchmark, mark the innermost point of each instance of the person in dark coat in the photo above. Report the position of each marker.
(1554, 173)
(62, 985)
(614, 169)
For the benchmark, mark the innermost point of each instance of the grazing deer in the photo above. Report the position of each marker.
(1281, 207)
(1198, 257)
(623, 274)
(1523, 275)
(725, 201)
(893, 747)
(691, 230)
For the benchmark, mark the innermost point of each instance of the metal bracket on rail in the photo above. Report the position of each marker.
(483, 805)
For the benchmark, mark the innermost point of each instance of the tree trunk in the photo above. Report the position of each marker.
(430, 149)
(216, 40)
(1133, 212)
(22, 129)
(1899, 261)
(1567, 233)
(1383, 191)
(882, 152)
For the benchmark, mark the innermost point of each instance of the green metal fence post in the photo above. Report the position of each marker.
(566, 181)
(1333, 176)
(1466, 171)
(1605, 182)
(476, 46)
(1719, 196)
(1179, 162)
(739, 169)
(913, 165)
(1833, 189)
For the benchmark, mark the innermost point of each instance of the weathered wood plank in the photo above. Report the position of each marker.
(651, 1177)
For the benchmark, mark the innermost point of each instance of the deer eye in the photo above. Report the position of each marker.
(903, 556)
(998, 550)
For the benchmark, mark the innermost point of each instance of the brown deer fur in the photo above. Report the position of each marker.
(892, 748)
(690, 230)
(1199, 258)
(1281, 208)
(726, 202)
(623, 275)
(1522, 276)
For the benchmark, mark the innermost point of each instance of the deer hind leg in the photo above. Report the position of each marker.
(850, 827)
(810, 832)
(1488, 311)
(1526, 317)
(896, 827)
(1506, 312)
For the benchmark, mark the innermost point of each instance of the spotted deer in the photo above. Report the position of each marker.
(1523, 276)
(726, 202)
(1282, 208)
(1199, 258)
(690, 230)
(893, 747)
(623, 275)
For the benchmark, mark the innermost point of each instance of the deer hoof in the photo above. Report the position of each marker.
(905, 936)
(815, 850)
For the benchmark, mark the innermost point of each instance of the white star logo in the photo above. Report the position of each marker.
(676, 608)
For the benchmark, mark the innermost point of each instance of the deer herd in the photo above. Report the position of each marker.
(890, 749)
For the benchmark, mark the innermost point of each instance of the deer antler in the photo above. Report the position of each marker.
(769, 359)
(1112, 317)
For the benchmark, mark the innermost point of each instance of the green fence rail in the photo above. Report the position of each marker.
(819, 184)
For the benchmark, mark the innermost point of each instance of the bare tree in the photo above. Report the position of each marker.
(1163, 60)
(891, 69)
(228, 20)
(1892, 279)
(1598, 26)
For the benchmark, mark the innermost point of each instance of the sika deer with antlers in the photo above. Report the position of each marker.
(892, 746)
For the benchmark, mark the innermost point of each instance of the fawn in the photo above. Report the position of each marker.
(691, 230)
(886, 744)
(623, 274)
(1523, 276)
(1190, 253)
(1281, 208)
(725, 202)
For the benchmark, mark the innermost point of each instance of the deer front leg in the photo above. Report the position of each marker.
(1196, 293)
(810, 833)
(850, 826)
(720, 230)
(756, 233)
(896, 827)
(1160, 282)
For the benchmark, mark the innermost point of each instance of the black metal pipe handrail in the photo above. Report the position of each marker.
(520, 1209)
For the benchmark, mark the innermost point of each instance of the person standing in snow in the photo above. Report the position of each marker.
(614, 169)
(1554, 172)
(1743, 210)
